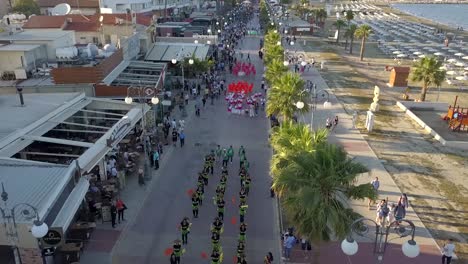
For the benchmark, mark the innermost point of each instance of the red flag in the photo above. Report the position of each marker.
(190, 192)
(233, 220)
(168, 251)
(204, 255)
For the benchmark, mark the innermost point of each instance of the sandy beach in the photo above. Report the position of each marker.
(433, 176)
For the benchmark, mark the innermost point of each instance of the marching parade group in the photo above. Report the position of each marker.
(221, 157)
(212, 160)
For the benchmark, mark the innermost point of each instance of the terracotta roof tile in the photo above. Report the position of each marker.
(83, 26)
(53, 21)
(72, 3)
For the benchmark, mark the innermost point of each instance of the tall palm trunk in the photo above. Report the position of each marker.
(422, 96)
(351, 45)
(363, 42)
(346, 44)
(338, 36)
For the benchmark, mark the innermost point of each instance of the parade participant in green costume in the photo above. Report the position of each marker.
(200, 192)
(242, 231)
(195, 204)
(242, 211)
(215, 240)
(242, 196)
(215, 257)
(185, 227)
(247, 182)
(177, 249)
(220, 204)
(217, 226)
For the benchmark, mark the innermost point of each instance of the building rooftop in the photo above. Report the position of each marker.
(33, 35)
(83, 26)
(165, 51)
(52, 21)
(72, 3)
(15, 117)
(35, 183)
(19, 47)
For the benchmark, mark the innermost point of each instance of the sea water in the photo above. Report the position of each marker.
(453, 15)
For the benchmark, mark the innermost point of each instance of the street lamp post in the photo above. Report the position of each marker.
(316, 94)
(180, 57)
(38, 230)
(142, 91)
(362, 226)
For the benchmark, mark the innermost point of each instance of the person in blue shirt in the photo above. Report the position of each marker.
(182, 138)
(156, 159)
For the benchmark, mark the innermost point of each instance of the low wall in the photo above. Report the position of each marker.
(408, 106)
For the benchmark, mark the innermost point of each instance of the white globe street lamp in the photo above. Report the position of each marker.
(276, 31)
(190, 61)
(286, 63)
(285, 32)
(39, 229)
(155, 100)
(361, 227)
(219, 30)
(303, 63)
(128, 100)
(291, 43)
(208, 42)
(300, 105)
(410, 249)
(196, 42)
(278, 43)
(174, 61)
(209, 31)
(349, 246)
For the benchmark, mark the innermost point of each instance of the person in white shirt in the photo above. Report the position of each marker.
(447, 252)
(114, 172)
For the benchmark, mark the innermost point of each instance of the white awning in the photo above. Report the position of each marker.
(71, 205)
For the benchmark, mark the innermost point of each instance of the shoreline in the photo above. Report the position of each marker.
(423, 20)
(454, 26)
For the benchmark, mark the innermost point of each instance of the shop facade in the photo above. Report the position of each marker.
(55, 161)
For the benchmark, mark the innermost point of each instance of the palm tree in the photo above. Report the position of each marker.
(273, 52)
(284, 94)
(427, 70)
(275, 70)
(322, 14)
(349, 16)
(314, 188)
(351, 31)
(363, 32)
(294, 137)
(339, 24)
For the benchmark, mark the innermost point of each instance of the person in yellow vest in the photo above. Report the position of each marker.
(185, 227)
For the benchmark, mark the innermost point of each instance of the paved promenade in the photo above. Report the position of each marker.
(355, 144)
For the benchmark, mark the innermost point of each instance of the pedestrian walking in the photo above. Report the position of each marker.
(175, 135)
(335, 122)
(141, 177)
(268, 259)
(376, 185)
(121, 207)
(113, 211)
(173, 258)
(215, 240)
(182, 138)
(230, 153)
(447, 251)
(185, 227)
(382, 212)
(156, 159)
(404, 200)
(288, 244)
(399, 212)
(204, 101)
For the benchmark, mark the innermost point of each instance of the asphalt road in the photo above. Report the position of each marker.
(155, 227)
